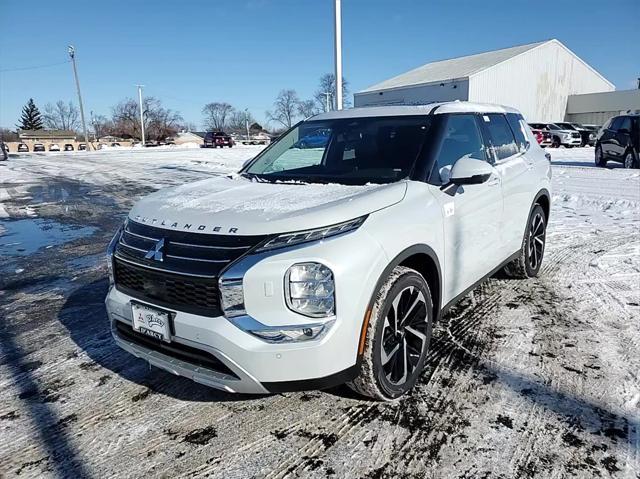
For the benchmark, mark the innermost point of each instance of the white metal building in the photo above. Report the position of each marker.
(596, 108)
(537, 79)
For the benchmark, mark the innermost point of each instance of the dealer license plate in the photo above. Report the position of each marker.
(150, 321)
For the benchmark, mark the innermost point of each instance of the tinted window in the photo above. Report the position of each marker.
(500, 135)
(516, 122)
(625, 124)
(461, 138)
(615, 123)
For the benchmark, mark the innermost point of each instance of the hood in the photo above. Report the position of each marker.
(236, 205)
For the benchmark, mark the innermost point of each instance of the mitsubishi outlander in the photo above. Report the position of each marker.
(328, 263)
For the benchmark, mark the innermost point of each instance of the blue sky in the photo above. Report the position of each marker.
(188, 53)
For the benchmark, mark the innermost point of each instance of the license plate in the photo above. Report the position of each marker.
(150, 321)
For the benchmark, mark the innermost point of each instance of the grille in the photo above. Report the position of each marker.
(575, 134)
(184, 293)
(189, 253)
(175, 350)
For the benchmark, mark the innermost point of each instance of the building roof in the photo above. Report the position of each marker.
(452, 69)
(414, 110)
(45, 134)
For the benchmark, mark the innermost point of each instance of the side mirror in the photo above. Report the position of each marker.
(469, 171)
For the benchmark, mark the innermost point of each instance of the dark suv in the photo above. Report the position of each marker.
(214, 139)
(619, 140)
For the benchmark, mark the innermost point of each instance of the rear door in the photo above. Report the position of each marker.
(472, 214)
(508, 141)
(608, 139)
(622, 137)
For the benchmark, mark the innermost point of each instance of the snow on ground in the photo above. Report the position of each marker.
(536, 378)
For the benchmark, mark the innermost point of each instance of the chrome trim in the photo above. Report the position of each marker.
(126, 245)
(207, 246)
(198, 259)
(141, 236)
(164, 270)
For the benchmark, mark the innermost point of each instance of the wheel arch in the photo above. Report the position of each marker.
(424, 260)
(542, 198)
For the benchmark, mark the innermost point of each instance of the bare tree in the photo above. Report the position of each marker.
(328, 86)
(159, 122)
(285, 108)
(216, 115)
(238, 121)
(61, 116)
(101, 126)
(308, 108)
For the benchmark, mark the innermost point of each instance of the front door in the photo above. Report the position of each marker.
(472, 213)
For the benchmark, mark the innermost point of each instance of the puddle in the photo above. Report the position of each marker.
(24, 237)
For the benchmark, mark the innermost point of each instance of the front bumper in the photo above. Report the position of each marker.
(252, 365)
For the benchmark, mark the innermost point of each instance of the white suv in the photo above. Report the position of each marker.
(330, 255)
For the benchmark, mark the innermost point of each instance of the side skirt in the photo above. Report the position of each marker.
(451, 303)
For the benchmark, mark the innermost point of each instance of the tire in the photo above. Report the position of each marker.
(630, 160)
(405, 298)
(601, 161)
(556, 142)
(529, 260)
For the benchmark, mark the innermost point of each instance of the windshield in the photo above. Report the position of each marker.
(552, 126)
(351, 151)
(566, 126)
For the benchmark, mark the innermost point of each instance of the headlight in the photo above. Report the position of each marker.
(592, 136)
(310, 290)
(290, 239)
(111, 250)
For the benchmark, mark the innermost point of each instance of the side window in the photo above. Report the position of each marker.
(516, 122)
(500, 135)
(461, 138)
(615, 123)
(625, 124)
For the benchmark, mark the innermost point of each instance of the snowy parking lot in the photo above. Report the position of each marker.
(537, 378)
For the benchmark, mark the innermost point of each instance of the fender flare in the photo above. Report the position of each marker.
(398, 259)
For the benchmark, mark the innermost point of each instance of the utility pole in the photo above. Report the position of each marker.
(338, 52)
(246, 121)
(72, 54)
(327, 99)
(141, 112)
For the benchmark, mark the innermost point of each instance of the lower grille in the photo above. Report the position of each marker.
(183, 293)
(175, 350)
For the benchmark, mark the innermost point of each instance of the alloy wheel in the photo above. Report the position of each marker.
(628, 160)
(536, 241)
(404, 335)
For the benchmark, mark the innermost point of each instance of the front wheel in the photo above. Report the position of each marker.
(396, 337)
(601, 161)
(630, 160)
(556, 142)
(529, 260)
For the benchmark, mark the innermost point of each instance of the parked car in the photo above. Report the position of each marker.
(4, 151)
(38, 147)
(22, 148)
(318, 139)
(587, 137)
(542, 137)
(619, 140)
(82, 147)
(170, 141)
(559, 136)
(115, 144)
(150, 143)
(68, 147)
(223, 282)
(214, 139)
(54, 147)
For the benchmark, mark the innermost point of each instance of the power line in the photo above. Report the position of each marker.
(34, 67)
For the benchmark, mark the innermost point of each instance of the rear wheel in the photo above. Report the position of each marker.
(397, 336)
(529, 260)
(630, 161)
(601, 161)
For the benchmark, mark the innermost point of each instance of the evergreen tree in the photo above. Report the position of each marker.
(31, 118)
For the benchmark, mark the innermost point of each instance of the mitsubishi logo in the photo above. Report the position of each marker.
(156, 253)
